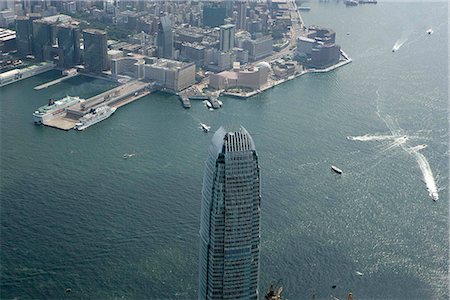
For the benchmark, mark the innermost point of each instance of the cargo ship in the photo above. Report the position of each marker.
(94, 116)
(54, 109)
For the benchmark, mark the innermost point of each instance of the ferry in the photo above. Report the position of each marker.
(205, 127)
(54, 109)
(94, 116)
(336, 170)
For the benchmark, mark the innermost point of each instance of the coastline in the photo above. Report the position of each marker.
(339, 64)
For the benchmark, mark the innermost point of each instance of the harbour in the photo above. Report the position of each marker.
(113, 212)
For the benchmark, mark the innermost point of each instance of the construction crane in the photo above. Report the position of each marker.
(272, 295)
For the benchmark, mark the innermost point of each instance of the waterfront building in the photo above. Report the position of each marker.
(69, 44)
(169, 74)
(226, 37)
(214, 14)
(165, 38)
(230, 218)
(253, 78)
(23, 35)
(7, 40)
(95, 50)
(316, 47)
(43, 32)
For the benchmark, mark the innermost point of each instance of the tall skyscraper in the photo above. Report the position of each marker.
(165, 38)
(24, 34)
(226, 37)
(69, 44)
(95, 50)
(43, 34)
(241, 22)
(230, 218)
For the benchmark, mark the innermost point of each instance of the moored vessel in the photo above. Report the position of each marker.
(54, 109)
(94, 116)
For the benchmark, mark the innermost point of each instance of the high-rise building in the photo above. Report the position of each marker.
(214, 14)
(165, 38)
(95, 50)
(69, 44)
(230, 218)
(241, 22)
(226, 37)
(43, 33)
(23, 35)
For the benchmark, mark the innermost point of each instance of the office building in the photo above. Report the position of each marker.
(230, 218)
(169, 74)
(226, 37)
(95, 50)
(258, 48)
(165, 38)
(43, 33)
(69, 44)
(214, 14)
(241, 21)
(23, 35)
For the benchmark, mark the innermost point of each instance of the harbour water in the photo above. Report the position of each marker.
(76, 214)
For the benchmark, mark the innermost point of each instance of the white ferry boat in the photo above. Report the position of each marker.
(94, 116)
(54, 109)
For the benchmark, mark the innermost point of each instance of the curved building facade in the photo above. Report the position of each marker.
(230, 218)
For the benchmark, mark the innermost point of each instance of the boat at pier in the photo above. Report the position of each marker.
(94, 116)
(54, 109)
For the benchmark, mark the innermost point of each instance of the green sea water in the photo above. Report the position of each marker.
(75, 214)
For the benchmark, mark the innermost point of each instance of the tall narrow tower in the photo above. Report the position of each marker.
(230, 218)
(165, 38)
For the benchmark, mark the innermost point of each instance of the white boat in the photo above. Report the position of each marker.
(94, 116)
(205, 127)
(430, 31)
(54, 109)
(336, 170)
(434, 196)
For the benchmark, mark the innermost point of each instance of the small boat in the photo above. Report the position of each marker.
(359, 273)
(430, 31)
(126, 155)
(336, 170)
(204, 127)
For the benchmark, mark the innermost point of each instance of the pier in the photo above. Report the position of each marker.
(117, 97)
(56, 81)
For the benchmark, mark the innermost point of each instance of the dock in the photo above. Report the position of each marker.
(56, 81)
(117, 97)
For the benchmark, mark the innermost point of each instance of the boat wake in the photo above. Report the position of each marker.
(398, 44)
(427, 174)
(399, 139)
(368, 137)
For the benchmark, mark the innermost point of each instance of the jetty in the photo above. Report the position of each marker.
(56, 81)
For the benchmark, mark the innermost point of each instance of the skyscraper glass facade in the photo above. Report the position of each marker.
(230, 218)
